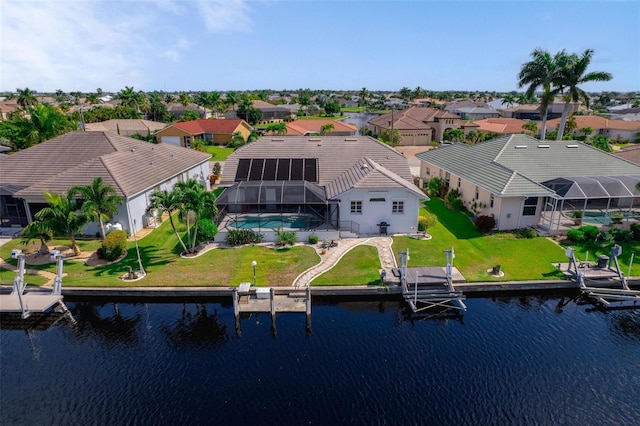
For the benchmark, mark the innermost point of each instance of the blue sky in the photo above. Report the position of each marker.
(177, 45)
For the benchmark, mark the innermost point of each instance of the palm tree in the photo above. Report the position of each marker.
(169, 98)
(542, 72)
(100, 201)
(364, 94)
(214, 102)
(35, 231)
(573, 72)
(167, 202)
(26, 97)
(196, 201)
(92, 99)
(232, 99)
(586, 131)
(326, 128)
(508, 100)
(276, 128)
(129, 97)
(531, 126)
(63, 217)
(46, 122)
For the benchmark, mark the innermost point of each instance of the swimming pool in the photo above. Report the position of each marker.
(293, 221)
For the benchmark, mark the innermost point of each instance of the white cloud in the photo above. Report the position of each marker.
(225, 15)
(81, 45)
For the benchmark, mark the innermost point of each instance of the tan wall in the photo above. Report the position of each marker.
(172, 131)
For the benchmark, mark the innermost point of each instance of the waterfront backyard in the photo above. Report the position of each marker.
(521, 259)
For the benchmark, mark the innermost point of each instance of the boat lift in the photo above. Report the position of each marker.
(26, 303)
(432, 299)
(604, 297)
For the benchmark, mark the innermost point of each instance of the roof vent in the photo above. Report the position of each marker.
(315, 140)
(133, 150)
(543, 146)
(521, 147)
(351, 139)
(277, 140)
(573, 145)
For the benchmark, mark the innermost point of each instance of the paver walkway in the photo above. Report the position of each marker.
(334, 254)
(50, 276)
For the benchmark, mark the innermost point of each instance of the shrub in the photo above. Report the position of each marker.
(436, 187)
(426, 221)
(457, 204)
(217, 169)
(525, 233)
(207, 230)
(313, 239)
(114, 244)
(237, 237)
(485, 224)
(620, 234)
(591, 232)
(286, 238)
(575, 235)
(635, 230)
(454, 194)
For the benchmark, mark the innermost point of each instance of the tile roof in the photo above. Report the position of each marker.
(196, 127)
(597, 122)
(76, 158)
(414, 118)
(300, 127)
(125, 124)
(501, 125)
(516, 164)
(336, 156)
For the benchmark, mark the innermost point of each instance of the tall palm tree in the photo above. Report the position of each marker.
(129, 97)
(35, 231)
(364, 94)
(26, 97)
(508, 100)
(93, 99)
(232, 99)
(167, 202)
(100, 201)
(542, 72)
(326, 128)
(196, 202)
(63, 217)
(45, 122)
(573, 72)
(214, 102)
(184, 99)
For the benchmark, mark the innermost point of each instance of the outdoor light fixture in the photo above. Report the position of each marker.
(254, 264)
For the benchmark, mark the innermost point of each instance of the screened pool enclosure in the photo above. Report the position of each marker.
(597, 198)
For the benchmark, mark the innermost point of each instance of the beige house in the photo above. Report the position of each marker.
(601, 126)
(419, 126)
(310, 127)
(217, 132)
(126, 127)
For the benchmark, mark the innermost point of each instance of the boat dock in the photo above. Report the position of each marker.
(249, 300)
(25, 303)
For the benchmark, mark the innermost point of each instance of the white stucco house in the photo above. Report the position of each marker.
(133, 168)
(345, 184)
(523, 182)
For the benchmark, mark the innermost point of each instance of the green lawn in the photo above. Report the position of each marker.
(358, 267)
(218, 153)
(159, 253)
(7, 276)
(322, 117)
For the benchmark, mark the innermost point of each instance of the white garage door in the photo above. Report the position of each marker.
(173, 140)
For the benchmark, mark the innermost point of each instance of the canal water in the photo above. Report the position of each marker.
(507, 361)
(358, 119)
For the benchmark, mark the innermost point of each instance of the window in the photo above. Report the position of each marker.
(477, 192)
(428, 171)
(398, 207)
(187, 141)
(377, 200)
(208, 137)
(530, 206)
(356, 207)
(491, 201)
(459, 182)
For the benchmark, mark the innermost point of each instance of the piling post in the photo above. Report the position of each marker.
(236, 310)
(272, 300)
(308, 306)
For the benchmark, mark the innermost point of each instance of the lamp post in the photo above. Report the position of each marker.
(254, 263)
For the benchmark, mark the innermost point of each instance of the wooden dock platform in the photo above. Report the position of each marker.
(31, 302)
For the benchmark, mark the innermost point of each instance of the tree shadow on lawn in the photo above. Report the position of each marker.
(149, 257)
(457, 223)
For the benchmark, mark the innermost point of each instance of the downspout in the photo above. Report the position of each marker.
(520, 213)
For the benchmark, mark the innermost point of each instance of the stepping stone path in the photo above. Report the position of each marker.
(334, 254)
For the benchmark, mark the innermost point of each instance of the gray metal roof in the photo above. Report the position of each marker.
(77, 158)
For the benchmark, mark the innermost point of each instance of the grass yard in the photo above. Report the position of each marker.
(159, 253)
(7, 276)
(218, 153)
(358, 267)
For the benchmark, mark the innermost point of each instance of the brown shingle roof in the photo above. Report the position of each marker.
(125, 124)
(76, 158)
(197, 127)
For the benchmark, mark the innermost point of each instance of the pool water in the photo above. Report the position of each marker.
(275, 221)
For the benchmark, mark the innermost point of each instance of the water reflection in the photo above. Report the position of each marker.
(197, 329)
(106, 322)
